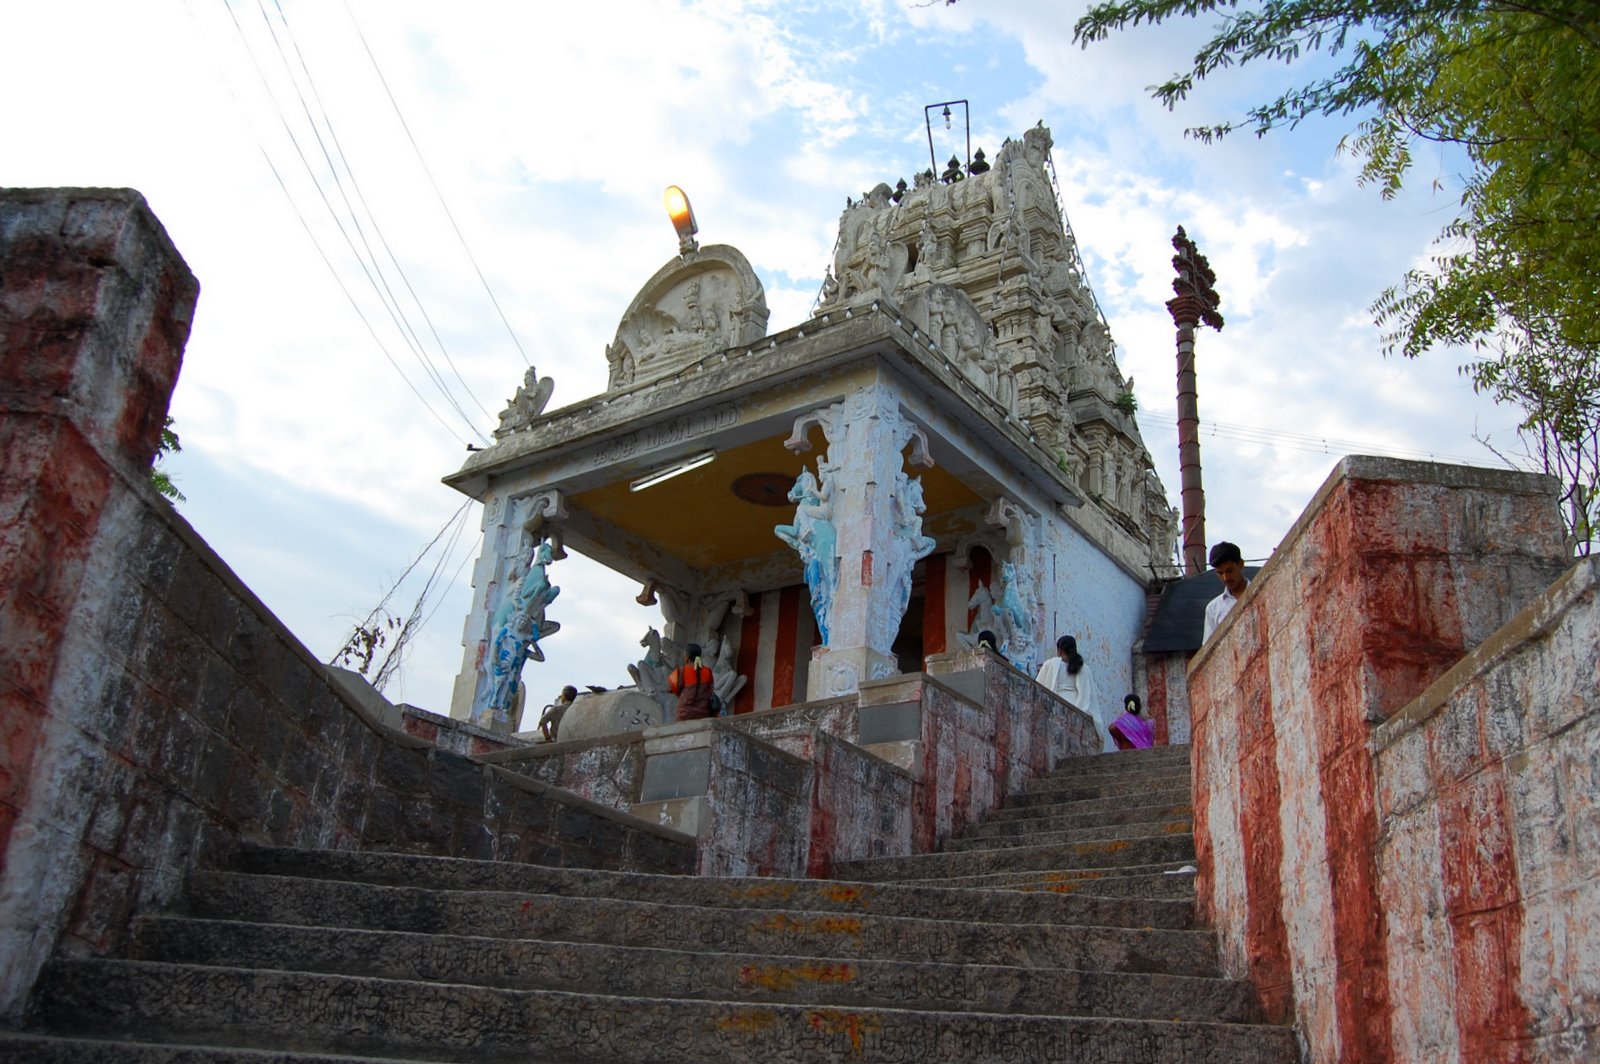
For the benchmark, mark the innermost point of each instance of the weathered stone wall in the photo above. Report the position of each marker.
(457, 736)
(860, 806)
(891, 770)
(1161, 680)
(1489, 849)
(154, 711)
(759, 803)
(1395, 571)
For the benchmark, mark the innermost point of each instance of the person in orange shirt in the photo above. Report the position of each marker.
(693, 683)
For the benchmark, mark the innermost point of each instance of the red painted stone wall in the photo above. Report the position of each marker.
(1161, 680)
(152, 712)
(1395, 571)
(1487, 859)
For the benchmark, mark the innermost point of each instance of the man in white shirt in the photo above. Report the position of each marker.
(1229, 564)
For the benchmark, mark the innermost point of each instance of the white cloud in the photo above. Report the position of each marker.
(552, 131)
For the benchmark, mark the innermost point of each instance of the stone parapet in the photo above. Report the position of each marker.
(1486, 863)
(892, 770)
(156, 713)
(1394, 573)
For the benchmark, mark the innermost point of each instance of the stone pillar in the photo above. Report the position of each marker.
(864, 475)
(1195, 304)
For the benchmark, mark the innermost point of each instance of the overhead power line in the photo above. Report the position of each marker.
(1316, 444)
(368, 261)
(377, 229)
(311, 234)
(436, 191)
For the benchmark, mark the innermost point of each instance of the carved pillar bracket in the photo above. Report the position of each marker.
(799, 441)
(536, 513)
(1008, 514)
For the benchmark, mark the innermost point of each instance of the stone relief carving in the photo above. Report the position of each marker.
(866, 436)
(524, 534)
(907, 547)
(665, 652)
(982, 601)
(815, 538)
(867, 263)
(841, 678)
(725, 673)
(517, 625)
(957, 327)
(651, 671)
(1013, 626)
(698, 304)
(527, 404)
(987, 268)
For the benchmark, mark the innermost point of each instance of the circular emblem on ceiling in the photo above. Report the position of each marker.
(764, 489)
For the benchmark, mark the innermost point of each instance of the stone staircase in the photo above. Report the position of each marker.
(1064, 938)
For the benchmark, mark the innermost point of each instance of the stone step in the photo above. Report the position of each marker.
(1056, 789)
(493, 914)
(1020, 807)
(878, 899)
(1149, 881)
(1067, 836)
(1165, 758)
(1102, 853)
(521, 964)
(407, 1019)
(17, 1047)
(1019, 825)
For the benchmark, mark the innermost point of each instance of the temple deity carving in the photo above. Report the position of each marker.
(1013, 623)
(815, 538)
(981, 606)
(907, 546)
(651, 671)
(517, 625)
(529, 402)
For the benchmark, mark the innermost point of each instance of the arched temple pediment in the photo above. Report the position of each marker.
(694, 306)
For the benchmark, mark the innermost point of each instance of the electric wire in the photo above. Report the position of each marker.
(1313, 443)
(414, 621)
(436, 191)
(377, 229)
(354, 305)
(316, 244)
(333, 213)
(380, 283)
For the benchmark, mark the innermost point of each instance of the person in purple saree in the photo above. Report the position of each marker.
(1131, 731)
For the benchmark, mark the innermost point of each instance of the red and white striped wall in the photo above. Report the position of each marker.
(1384, 913)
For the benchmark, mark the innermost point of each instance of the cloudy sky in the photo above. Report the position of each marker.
(521, 149)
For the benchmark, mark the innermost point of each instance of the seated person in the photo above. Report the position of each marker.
(550, 719)
(1131, 731)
